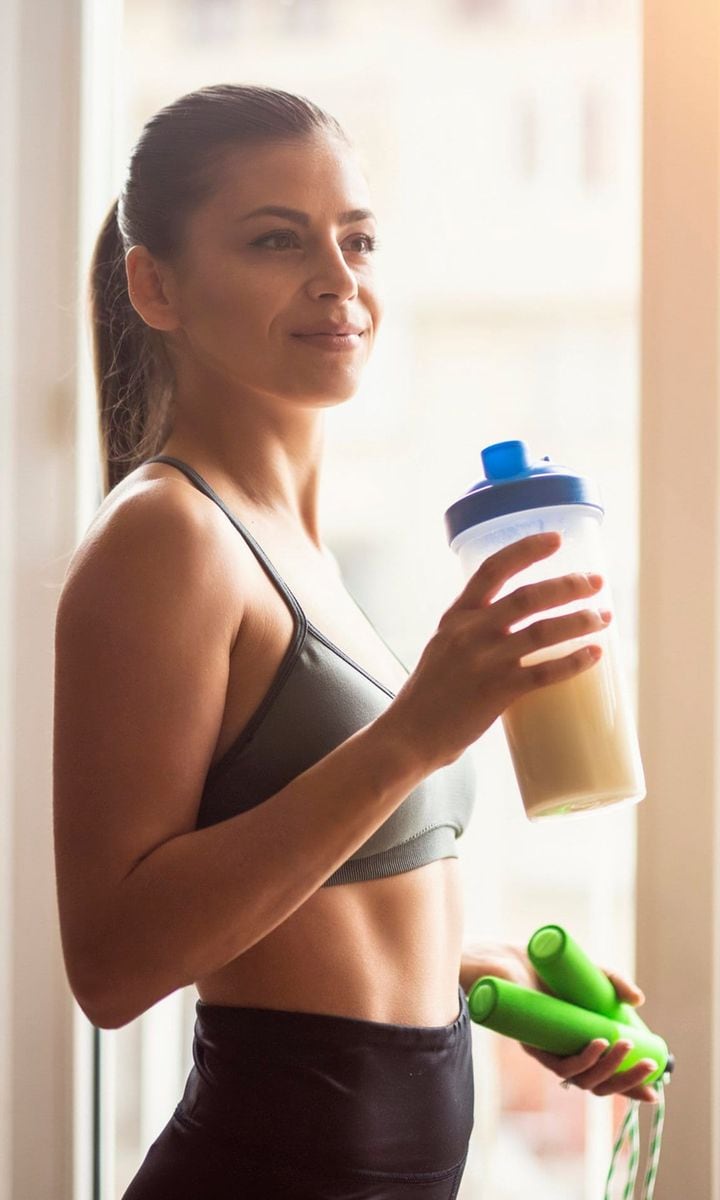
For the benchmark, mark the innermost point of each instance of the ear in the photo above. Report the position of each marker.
(150, 290)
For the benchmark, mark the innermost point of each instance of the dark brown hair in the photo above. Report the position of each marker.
(175, 165)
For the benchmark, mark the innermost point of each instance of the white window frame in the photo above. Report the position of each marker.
(40, 70)
(59, 97)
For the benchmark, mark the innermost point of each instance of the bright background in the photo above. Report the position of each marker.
(546, 177)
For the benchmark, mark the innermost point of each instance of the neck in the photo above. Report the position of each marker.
(270, 462)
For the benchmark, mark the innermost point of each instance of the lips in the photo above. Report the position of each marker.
(335, 342)
(329, 328)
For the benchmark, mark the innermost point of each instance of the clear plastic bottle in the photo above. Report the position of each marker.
(573, 744)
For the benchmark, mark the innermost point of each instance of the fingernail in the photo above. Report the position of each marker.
(602, 1043)
(649, 1064)
(606, 615)
(595, 580)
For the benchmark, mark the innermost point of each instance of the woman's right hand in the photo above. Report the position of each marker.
(470, 670)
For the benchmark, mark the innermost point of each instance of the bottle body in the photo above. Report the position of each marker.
(573, 744)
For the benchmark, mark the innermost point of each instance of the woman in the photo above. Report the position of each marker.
(252, 793)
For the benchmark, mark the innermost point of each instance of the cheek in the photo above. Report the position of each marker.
(224, 305)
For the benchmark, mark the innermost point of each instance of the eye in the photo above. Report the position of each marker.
(268, 237)
(372, 242)
(282, 236)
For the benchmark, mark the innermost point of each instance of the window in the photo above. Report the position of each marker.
(527, 138)
(305, 18)
(596, 140)
(481, 10)
(211, 22)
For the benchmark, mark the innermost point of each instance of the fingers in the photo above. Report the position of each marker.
(489, 578)
(554, 630)
(647, 1094)
(625, 988)
(549, 593)
(570, 1065)
(601, 1077)
(629, 1083)
(554, 670)
(595, 1069)
(532, 598)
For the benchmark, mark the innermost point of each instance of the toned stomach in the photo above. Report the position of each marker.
(382, 950)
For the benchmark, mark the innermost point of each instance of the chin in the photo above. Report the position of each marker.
(327, 397)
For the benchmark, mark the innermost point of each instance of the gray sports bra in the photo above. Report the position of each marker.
(318, 698)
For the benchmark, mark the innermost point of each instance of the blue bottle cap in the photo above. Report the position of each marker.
(512, 484)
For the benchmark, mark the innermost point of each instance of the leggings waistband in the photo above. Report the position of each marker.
(243, 1021)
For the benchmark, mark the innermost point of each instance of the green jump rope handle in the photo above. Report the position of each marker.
(565, 967)
(584, 1007)
(554, 1025)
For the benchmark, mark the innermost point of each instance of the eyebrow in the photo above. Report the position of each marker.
(301, 218)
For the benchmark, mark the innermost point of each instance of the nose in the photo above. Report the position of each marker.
(331, 275)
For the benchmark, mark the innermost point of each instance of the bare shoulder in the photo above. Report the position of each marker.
(145, 525)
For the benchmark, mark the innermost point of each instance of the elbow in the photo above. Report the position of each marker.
(104, 1010)
(110, 990)
(106, 1006)
(100, 1017)
(111, 1003)
(110, 1011)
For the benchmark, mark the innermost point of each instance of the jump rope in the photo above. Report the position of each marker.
(584, 1006)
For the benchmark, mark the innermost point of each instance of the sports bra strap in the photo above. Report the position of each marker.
(203, 486)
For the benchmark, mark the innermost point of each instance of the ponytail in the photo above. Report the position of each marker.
(132, 371)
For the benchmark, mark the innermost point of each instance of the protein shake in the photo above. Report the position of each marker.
(573, 744)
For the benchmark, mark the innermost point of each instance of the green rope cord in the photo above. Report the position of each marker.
(630, 1131)
(655, 1141)
(634, 1160)
(624, 1128)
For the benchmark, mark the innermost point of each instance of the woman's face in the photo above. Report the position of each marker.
(249, 288)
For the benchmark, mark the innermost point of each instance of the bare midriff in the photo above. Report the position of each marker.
(381, 950)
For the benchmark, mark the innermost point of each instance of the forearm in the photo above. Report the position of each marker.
(203, 898)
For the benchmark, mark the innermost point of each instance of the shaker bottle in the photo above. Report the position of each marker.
(573, 743)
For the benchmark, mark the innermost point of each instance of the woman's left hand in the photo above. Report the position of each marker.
(593, 1069)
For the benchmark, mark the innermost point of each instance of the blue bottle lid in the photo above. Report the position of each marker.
(512, 484)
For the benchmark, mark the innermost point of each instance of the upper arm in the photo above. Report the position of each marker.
(144, 629)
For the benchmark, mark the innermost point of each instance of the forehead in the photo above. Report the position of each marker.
(313, 174)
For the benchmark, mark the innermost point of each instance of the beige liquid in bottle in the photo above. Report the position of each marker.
(573, 743)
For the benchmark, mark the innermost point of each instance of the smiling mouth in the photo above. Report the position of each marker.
(332, 333)
(331, 341)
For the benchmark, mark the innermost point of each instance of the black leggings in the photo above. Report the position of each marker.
(306, 1106)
